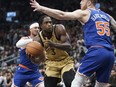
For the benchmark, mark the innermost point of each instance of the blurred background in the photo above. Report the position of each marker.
(16, 15)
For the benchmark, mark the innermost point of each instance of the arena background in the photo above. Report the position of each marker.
(16, 15)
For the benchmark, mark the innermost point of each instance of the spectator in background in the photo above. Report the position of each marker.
(9, 77)
(3, 78)
(113, 77)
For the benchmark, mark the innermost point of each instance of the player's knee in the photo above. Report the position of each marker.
(99, 84)
(78, 80)
(40, 85)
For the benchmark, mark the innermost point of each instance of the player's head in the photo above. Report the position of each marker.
(34, 28)
(87, 3)
(46, 23)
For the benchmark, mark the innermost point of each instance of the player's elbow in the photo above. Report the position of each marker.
(23, 42)
(18, 45)
(61, 16)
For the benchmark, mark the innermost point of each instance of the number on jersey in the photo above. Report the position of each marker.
(102, 28)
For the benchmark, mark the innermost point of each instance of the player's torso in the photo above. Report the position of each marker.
(54, 53)
(96, 29)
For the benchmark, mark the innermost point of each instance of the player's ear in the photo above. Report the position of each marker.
(89, 3)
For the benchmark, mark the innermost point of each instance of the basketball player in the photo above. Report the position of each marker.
(27, 71)
(56, 42)
(100, 55)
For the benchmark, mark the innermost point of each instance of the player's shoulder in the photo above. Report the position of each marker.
(58, 26)
(80, 11)
(59, 29)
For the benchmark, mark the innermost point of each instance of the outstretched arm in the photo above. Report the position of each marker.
(58, 14)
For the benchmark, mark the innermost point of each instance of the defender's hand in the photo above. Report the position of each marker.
(34, 4)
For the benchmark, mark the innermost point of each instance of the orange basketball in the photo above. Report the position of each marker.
(35, 49)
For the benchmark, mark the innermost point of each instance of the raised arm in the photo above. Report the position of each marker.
(58, 14)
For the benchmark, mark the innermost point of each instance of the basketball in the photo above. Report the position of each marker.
(34, 49)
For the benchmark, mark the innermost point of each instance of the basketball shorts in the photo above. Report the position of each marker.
(97, 60)
(22, 76)
(57, 68)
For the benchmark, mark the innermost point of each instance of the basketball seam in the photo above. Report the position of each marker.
(30, 52)
(33, 47)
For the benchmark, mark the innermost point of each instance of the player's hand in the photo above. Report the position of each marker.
(30, 56)
(34, 4)
(49, 43)
(33, 59)
(37, 60)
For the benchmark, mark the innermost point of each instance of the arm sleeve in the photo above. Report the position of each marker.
(23, 42)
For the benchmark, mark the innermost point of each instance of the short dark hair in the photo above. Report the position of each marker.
(41, 19)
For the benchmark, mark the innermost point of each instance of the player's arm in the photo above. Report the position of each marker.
(23, 42)
(58, 14)
(61, 15)
(62, 36)
(113, 23)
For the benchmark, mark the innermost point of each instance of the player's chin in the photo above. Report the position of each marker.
(49, 30)
(83, 8)
(35, 34)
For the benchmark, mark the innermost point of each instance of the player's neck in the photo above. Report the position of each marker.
(46, 34)
(32, 36)
(91, 7)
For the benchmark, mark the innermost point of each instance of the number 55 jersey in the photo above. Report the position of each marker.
(96, 29)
